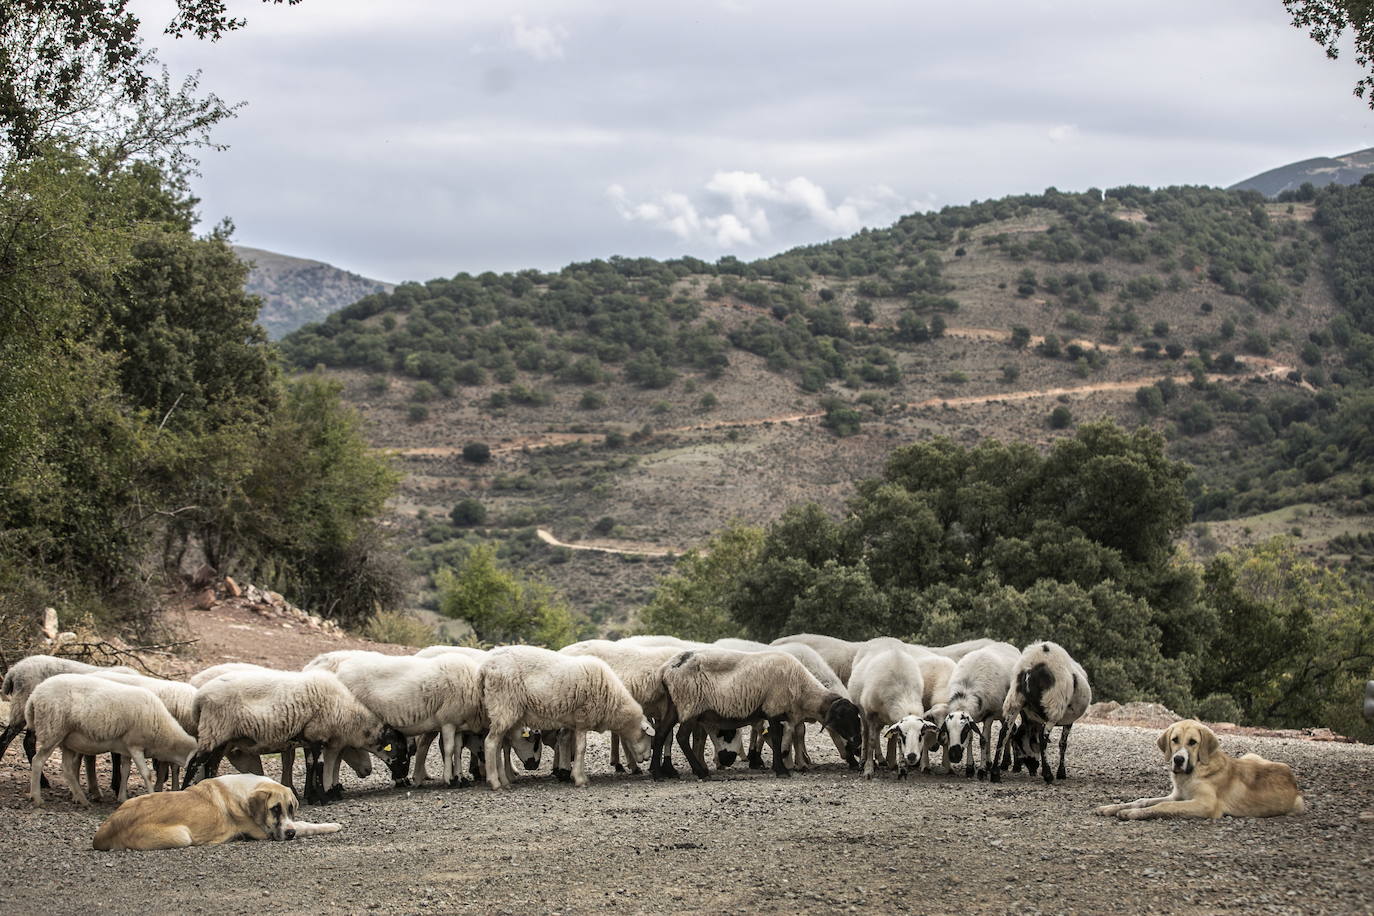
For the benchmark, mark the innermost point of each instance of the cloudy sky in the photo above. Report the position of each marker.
(411, 139)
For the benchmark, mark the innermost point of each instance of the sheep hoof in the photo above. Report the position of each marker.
(1062, 774)
(399, 783)
(755, 762)
(620, 768)
(1049, 777)
(335, 792)
(982, 774)
(783, 774)
(995, 775)
(563, 775)
(901, 772)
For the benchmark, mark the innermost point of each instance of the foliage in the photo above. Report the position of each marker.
(399, 628)
(1327, 20)
(467, 512)
(477, 452)
(691, 602)
(501, 605)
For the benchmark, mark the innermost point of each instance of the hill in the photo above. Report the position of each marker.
(643, 405)
(1319, 172)
(298, 291)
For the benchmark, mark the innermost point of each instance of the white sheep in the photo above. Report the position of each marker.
(889, 689)
(20, 680)
(722, 688)
(416, 696)
(358, 760)
(89, 715)
(538, 688)
(956, 651)
(180, 700)
(1048, 688)
(431, 651)
(794, 733)
(268, 711)
(838, 653)
(977, 690)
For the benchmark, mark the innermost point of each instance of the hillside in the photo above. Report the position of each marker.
(644, 405)
(1319, 172)
(298, 291)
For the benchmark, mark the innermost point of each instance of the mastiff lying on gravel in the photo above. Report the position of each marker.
(213, 811)
(1207, 783)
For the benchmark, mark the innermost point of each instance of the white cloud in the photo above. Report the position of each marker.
(741, 209)
(541, 42)
(1061, 132)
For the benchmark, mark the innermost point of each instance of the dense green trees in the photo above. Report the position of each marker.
(502, 606)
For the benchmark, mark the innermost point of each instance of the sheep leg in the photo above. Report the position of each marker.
(329, 765)
(116, 775)
(799, 746)
(1063, 749)
(868, 749)
(1044, 756)
(419, 774)
(36, 783)
(755, 748)
(145, 771)
(11, 732)
(492, 748)
(71, 774)
(780, 769)
(92, 783)
(661, 763)
(684, 741)
(578, 740)
(30, 742)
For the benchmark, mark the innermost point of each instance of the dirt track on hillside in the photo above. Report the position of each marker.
(823, 841)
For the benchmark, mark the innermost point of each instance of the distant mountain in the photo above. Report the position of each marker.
(1322, 171)
(298, 291)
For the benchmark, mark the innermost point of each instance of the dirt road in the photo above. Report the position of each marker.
(824, 841)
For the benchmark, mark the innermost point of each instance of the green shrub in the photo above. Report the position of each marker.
(399, 628)
(468, 512)
(477, 452)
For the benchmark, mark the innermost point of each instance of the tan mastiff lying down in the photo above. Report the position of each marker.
(1207, 783)
(211, 812)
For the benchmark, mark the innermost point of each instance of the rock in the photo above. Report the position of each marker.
(1102, 710)
(232, 587)
(49, 623)
(203, 576)
(205, 599)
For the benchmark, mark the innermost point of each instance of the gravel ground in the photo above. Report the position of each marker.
(823, 841)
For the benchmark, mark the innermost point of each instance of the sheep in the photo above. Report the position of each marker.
(637, 665)
(838, 653)
(358, 760)
(417, 696)
(889, 689)
(794, 735)
(266, 711)
(179, 698)
(543, 689)
(20, 680)
(89, 715)
(977, 690)
(1048, 688)
(956, 651)
(722, 687)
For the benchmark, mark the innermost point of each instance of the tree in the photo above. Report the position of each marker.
(502, 606)
(477, 452)
(78, 70)
(468, 512)
(692, 603)
(1327, 20)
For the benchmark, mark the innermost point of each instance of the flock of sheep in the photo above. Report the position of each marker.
(347, 705)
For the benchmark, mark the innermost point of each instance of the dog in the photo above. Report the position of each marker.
(1208, 783)
(211, 812)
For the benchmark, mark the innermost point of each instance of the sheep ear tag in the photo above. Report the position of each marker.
(525, 734)
(387, 749)
(649, 730)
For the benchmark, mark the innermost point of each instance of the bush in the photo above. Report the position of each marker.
(468, 512)
(423, 393)
(417, 413)
(604, 525)
(1010, 373)
(592, 400)
(399, 628)
(1061, 417)
(477, 453)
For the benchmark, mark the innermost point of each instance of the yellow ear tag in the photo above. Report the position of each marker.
(387, 749)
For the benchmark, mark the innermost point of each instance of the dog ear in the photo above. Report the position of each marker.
(1164, 740)
(1207, 745)
(258, 803)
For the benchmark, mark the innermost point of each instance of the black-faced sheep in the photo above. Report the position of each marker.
(977, 690)
(889, 688)
(1048, 688)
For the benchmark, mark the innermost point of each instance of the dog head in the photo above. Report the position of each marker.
(1188, 744)
(273, 806)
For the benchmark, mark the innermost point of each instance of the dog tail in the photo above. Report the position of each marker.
(1299, 806)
